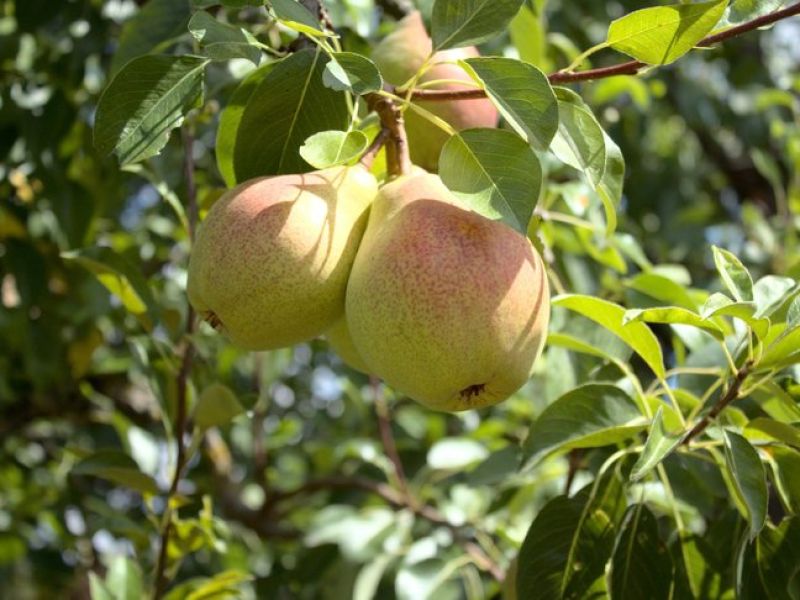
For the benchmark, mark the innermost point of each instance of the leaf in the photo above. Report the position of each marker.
(296, 16)
(98, 589)
(216, 407)
(719, 305)
(289, 105)
(118, 468)
(777, 550)
(146, 100)
(529, 38)
(784, 350)
(734, 274)
(748, 476)
(611, 316)
(157, 23)
(457, 23)
(222, 585)
(330, 148)
(673, 316)
(124, 579)
(641, 566)
(499, 465)
(786, 467)
(230, 120)
(662, 34)
(369, 577)
(117, 275)
(589, 416)
(770, 293)
(352, 72)
(455, 453)
(580, 141)
(763, 428)
(663, 289)
(522, 94)
(494, 173)
(660, 443)
(221, 41)
(610, 186)
(741, 11)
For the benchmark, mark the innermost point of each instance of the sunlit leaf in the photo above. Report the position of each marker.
(659, 444)
(457, 23)
(330, 148)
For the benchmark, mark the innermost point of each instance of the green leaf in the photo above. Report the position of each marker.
(719, 305)
(226, 584)
(296, 16)
(352, 72)
(662, 34)
(117, 275)
(495, 173)
(747, 473)
(98, 589)
(124, 578)
(146, 100)
(580, 141)
(118, 468)
(369, 577)
(157, 24)
(589, 416)
(231, 118)
(611, 316)
(741, 11)
(216, 407)
(522, 94)
(455, 453)
(289, 105)
(221, 41)
(763, 428)
(771, 292)
(786, 466)
(660, 443)
(456, 23)
(529, 38)
(673, 316)
(734, 274)
(330, 148)
(663, 289)
(610, 186)
(641, 566)
(777, 550)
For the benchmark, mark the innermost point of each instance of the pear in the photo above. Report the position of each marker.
(270, 262)
(447, 306)
(399, 56)
(341, 342)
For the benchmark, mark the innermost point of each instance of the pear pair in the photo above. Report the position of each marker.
(445, 305)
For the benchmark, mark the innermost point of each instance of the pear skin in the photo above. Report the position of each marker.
(341, 342)
(270, 262)
(445, 305)
(399, 55)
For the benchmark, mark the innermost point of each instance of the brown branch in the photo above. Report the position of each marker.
(398, 161)
(374, 148)
(187, 355)
(387, 439)
(731, 394)
(626, 68)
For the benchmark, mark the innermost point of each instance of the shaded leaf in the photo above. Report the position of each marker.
(124, 578)
(748, 475)
(216, 406)
(146, 100)
(118, 468)
(296, 16)
(495, 173)
(660, 443)
(221, 41)
(580, 141)
(777, 552)
(352, 72)
(589, 416)
(523, 95)
(786, 467)
(456, 23)
(770, 293)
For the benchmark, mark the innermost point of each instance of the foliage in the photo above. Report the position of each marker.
(655, 451)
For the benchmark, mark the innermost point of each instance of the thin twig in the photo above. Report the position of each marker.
(387, 439)
(187, 355)
(374, 148)
(631, 67)
(398, 161)
(731, 394)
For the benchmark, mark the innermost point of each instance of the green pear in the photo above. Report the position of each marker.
(270, 262)
(447, 306)
(342, 343)
(399, 56)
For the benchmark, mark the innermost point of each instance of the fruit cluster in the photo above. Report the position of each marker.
(445, 305)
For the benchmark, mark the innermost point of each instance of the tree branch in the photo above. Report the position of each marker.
(626, 68)
(731, 394)
(398, 161)
(187, 356)
(374, 148)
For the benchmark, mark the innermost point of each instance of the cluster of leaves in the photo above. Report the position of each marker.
(591, 480)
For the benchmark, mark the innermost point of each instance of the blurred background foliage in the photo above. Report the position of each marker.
(288, 501)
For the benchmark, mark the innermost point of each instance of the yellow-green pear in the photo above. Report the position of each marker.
(399, 56)
(270, 262)
(447, 306)
(342, 343)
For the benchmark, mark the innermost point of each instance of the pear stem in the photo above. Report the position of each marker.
(398, 161)
(371, 153)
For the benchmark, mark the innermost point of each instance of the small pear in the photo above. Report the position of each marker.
(270, 262)
(445, 305)
(399, 55)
